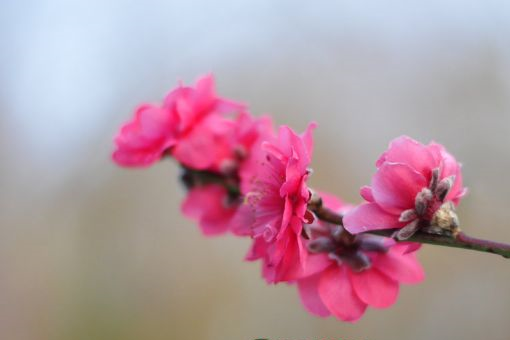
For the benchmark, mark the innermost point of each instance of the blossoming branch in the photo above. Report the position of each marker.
(245, 178)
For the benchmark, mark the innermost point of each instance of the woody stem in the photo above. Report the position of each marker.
(460, 240)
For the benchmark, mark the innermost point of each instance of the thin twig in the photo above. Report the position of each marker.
(460, 240)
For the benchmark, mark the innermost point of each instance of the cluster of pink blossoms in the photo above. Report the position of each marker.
(247, 179)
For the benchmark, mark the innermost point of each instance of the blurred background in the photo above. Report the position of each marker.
(92, 251)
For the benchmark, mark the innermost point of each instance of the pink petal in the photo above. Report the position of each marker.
(395, 185)
(293, 175)
(411, 247)
(293, 145)
(399, 266)
(291, 265)
(369, 216)
(243, 220)
(315, 263)
(135, 158)
(205, 86)
(196, 150)
(331, 201)
(143, 140)
(257, 250)
(337, 294)
(366, 193)
(286, 217)
(374, 288)
(450, 167)
(308, 138)
(206, 145)
(309, 294)
(408, 151)
(205, 204)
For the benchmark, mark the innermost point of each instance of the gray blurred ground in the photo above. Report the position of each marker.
(91, 251)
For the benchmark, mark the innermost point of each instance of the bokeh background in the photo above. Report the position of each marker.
(92, 251)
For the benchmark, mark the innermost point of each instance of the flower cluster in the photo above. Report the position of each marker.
(248, 179)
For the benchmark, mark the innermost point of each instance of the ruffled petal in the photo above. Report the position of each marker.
(293, 257)
(143, 140)
(411, 152)
(206, 145)
(307, 137)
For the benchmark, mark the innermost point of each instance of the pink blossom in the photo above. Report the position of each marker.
(346, 273)
(278, 198)
(412, 183)
(242, 142)
(211, 206)
(191, 125)
(215, 209)
(143, 140)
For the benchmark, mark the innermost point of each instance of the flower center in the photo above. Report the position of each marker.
(344, 248)
(431, 213)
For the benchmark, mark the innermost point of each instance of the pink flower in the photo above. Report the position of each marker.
(143, 140)
(211, 206)
(278, 201)
(348, 273)
(415, 187)
(203, 127)
(242, 142)
(191, 124)
(215, 208)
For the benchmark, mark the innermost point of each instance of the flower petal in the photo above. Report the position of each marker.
(399, 265)
(369, 216)
(206, 145)
(205, 204)
(366, 193)
(408, 151)
(338, 296)
(307, 138)
(143, 140)
(309, 294)
(374, 288)
(315, 263)
(395, 186)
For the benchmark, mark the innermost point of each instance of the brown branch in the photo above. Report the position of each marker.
(460, 240)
